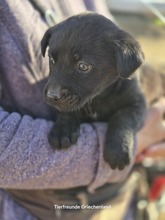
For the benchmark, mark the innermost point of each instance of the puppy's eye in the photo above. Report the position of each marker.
(51, 59)
(84, 67)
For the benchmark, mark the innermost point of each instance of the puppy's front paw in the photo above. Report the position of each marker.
(118, 150)
(62, 136)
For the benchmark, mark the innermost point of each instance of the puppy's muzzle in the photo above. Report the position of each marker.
(61, 99)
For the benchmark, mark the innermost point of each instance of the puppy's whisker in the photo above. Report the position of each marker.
(88, 109)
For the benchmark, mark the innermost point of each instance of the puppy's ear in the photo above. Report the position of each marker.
(45, 41)
(129, 55)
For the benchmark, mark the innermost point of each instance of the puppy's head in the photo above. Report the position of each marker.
(87, 53)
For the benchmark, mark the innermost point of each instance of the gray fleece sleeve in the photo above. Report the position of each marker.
(28, 162)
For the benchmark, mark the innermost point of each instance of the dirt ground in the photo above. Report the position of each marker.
(150, 32)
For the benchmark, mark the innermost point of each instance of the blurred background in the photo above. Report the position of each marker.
(145, 19)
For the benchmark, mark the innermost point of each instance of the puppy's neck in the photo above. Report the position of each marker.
(113, 88)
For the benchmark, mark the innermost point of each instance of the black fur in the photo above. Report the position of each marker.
(92, 78)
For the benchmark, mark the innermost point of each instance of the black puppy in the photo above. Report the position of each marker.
(92, 65)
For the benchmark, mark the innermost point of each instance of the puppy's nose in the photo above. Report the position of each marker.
(54, 94)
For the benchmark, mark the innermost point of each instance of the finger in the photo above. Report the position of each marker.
(160, 106)
(156, 112)
(156, 151)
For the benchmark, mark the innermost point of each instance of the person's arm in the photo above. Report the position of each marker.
(28, 162)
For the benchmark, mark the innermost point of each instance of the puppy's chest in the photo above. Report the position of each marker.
(98, 110)
(90, 114)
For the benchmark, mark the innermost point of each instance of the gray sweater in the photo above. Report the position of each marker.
(26, 159)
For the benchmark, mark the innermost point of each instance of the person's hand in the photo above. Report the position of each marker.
(151, 138)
